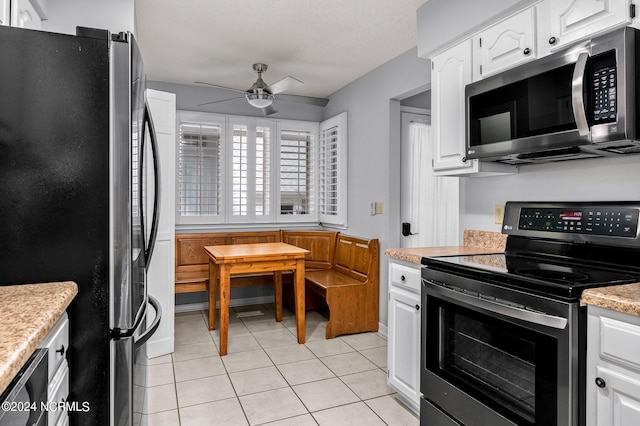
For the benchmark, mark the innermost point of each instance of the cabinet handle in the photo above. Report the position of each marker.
(402, 278)
(553, 40)
(600, 382)
(527, 51)
(417, 307)
(464, 159)
(61, 350)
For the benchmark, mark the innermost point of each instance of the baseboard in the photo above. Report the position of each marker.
(243, 301)
(382, 329)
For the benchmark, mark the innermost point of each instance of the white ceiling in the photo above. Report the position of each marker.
(325, 43)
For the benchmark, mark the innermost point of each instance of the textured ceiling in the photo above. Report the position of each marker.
(325, 43)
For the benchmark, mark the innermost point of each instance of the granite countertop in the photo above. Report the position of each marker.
(475, 242)
(27, 313)
(622, 298)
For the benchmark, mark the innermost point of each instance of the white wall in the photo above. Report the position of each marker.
(599, 179)
(373, 109)
(113, 15)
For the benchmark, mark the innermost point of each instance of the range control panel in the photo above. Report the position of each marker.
(597, 220)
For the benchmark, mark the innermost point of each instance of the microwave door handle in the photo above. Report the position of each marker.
(577, 94)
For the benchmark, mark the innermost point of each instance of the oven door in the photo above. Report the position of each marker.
(492, 362)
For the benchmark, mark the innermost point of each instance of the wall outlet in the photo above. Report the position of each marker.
(498, 213)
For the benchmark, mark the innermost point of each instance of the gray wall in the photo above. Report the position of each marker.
(373, 108)
(599, 179)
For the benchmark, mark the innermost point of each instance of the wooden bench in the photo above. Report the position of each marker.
(350, 286)
(341, 273)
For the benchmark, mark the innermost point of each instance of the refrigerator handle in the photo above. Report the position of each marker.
(150, 331)
(156, 183)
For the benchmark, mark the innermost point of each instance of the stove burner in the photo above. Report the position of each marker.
(553, 274)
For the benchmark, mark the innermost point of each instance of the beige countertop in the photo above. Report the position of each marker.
(27, 313)
(622, 298)
(475, 242)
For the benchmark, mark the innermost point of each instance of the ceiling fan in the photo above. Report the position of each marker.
(261, 95)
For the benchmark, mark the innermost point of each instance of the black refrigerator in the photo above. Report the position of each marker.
(77, 158)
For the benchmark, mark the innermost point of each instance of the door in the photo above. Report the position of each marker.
(411, 188)
(617, 402)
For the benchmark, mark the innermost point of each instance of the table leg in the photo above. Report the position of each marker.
(299, 296)
(225, 287)
(213, 291)
(277, 290)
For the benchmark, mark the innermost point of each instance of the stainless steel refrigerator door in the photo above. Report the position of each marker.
(129, 372)
(128, 287)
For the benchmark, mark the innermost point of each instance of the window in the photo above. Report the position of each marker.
(297, 155)
(249, 170)
(200, 167)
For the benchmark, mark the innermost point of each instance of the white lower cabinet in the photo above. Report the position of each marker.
(403, 357)
(57, 342)
(613, 368)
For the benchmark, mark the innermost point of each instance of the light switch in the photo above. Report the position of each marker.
(379, 207)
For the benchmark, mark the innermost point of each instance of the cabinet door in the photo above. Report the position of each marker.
(573, 20)
(618, 401)
(508, 43)
(404, 345)
(450, 72)
(24, 15)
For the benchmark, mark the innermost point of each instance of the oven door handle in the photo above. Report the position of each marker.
(498, 307)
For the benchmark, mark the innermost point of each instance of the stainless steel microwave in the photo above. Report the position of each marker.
(576, 103)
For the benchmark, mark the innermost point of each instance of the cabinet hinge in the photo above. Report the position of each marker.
(480, 69)
(480, 39)
(432, 65)
(632, 10)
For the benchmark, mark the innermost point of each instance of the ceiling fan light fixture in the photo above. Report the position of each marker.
(260, 100)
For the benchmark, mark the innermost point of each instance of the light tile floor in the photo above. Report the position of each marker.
(267, 378)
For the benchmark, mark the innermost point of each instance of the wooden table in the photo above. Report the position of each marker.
(231, 259)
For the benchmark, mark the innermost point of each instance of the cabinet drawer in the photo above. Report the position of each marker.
(405, 277)
(58, 393)
(619, 342)
(57, 341)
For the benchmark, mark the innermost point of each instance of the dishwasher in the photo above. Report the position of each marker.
(24, 401)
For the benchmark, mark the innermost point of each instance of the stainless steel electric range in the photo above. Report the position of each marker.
(504, 335)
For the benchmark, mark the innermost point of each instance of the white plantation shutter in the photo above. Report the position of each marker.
(296, 171)
(247, 170)
(332, 170)
(239, 170)
(263, 171)
(199, 169)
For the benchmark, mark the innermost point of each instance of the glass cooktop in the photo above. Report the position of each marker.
(542, 275)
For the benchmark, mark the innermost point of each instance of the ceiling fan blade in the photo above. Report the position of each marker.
(269, 110)
(220, 87)
(283, 85)
(222, 100)
(304, 99)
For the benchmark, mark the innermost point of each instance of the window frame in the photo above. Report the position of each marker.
(276, 126)
(201, 118)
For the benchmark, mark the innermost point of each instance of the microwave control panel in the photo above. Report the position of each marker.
(610, 221)
(604, 95)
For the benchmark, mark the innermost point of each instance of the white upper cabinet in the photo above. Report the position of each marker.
(563, 22)
(506, 44)
(450, 72)
(25, 15)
